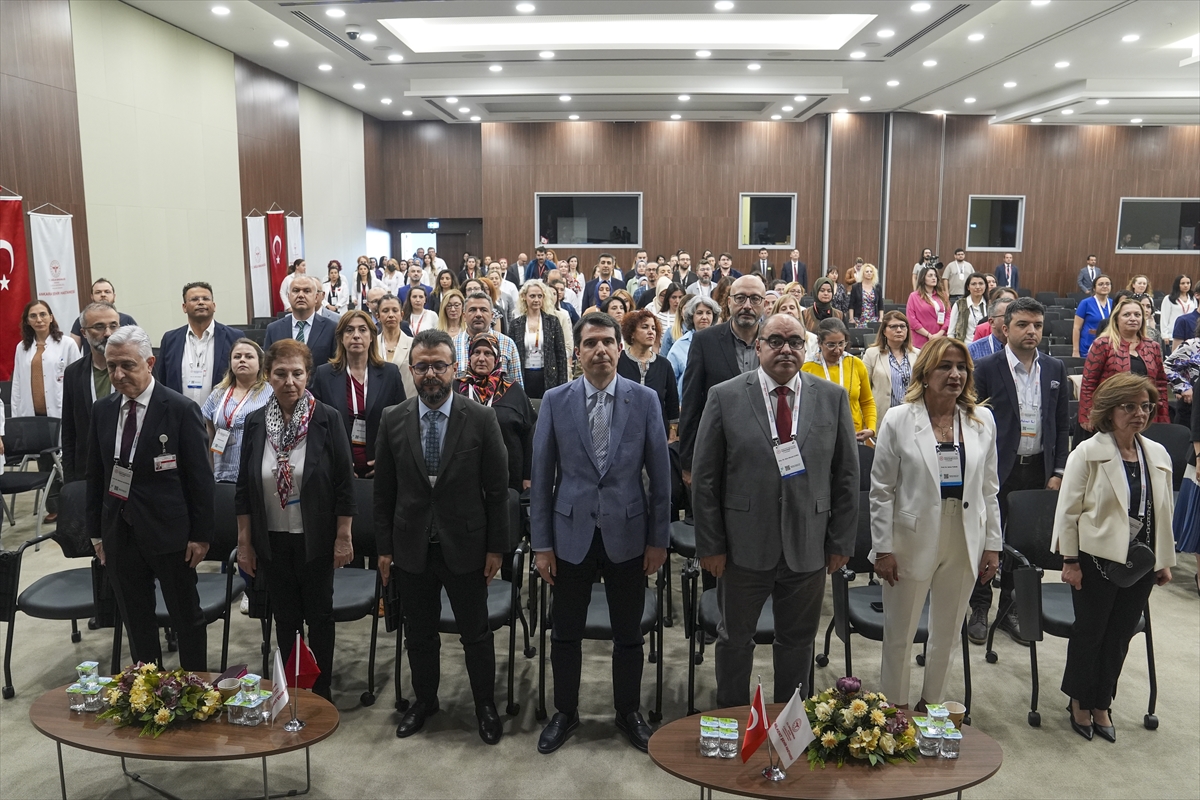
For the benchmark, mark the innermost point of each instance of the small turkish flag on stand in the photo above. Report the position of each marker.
(756, 726)
(14, 280)
(301, 669)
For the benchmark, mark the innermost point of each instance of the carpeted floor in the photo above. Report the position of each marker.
(364, 759)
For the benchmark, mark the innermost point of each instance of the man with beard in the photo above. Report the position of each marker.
(85, 381)
(441, 517)
(194, 358)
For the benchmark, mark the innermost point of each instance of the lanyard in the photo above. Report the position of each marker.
(1185, 304)
(841, 372)
(1104, 310)
(230, 416)
(199, 348)
(415, 323)
(475, 397)
(1143, 500)
(767, 393)
(354, 394)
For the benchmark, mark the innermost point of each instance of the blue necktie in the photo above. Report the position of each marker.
(433, 452)
(599, 424)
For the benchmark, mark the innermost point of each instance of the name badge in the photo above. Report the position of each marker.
(1028, 425)
(196, 376)
(118, 486)
(949, 466)
(941, 318)
(788, 459)
(1135, 527)
(220, 441)
(165, 462)
(358, 432)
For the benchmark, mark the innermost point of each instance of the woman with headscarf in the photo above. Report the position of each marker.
(822, 307)
(485, 382)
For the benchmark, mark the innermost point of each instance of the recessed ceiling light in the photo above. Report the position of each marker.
(799, 98)
(858, 54)
(893, 83)
(360, 86)
(843, 111)
(220, 11)
(475, 119)
(387, 101)
(685, 97)
(754, 67)
(1130, 37)
(676, 116)
(564, 98)
(723, 5)
(787, 108)
(939, 112)
(407, 112)
(975, 37)
(1066, 112)
(496, 68)
(573, 116)
(1101, 102)
(526, 8)
(929, 63)
(703, 54)
(866, 98)
(281, 43)
(451, 100)
(395, 57)
(546, 54)
(968, 99)
(919, 7)
(1036, 119)
(1010, 84)
(886, 33)
(1039, 2)
(464, 110)
(368, 37)
(336, 13)
(1062, 64)
(776, 116)
(1136, 120)
(324, 67)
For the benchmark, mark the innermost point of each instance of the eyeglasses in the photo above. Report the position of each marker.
(742, 299)
(100, 327)
(438, 369)
(897, 326)
(834, 345)
(777, 342)
(1133, 408)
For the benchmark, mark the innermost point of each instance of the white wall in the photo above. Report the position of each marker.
(333, 178)
(158, 130)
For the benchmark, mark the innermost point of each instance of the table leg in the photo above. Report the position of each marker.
(62, 778)
(138, 778)
(290, 792)
(266, 786)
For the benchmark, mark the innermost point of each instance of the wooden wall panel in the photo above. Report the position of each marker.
(40, 155)
(373, 168)
(913, 205)
(422, 169)
(268, 122)
(856, 188)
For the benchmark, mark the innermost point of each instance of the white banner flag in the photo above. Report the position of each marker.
(791, 731)
(279, 690)
(295, 239)
(260, 275)
(54, 265)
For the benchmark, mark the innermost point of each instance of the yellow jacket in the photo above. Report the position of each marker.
(856, 384)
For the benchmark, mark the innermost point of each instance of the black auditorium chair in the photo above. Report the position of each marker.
(683, 543)
(866, 459)
(1177, 439)
(356, 591)
(25, 440)
(1047, 608)
(1046, 298)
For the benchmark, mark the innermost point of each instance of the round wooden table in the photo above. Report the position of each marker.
(212, 740)
(675, 748)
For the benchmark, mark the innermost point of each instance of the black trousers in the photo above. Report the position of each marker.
(1105, 619)
(625, 588)
(1022, 477)
(132, 572)
(421, 596)
(301, 591)
(535, 383)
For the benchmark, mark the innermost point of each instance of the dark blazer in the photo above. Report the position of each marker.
(515, 414)
(589, 290)
(168, 366)
(166, 509)
(1002, 279)
(538, 269)
(756, 268)
(661, 378)
(326, 482)
(515, 274)
(554, 348)
(686, 281)
(994, 384)
(712, 359)
(319, 337)
(76, 417)
(385, 388)
(794, 271)
(856, 300)
(469, 502)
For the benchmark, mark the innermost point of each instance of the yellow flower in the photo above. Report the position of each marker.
(816, 731)
(113, 695)
(829, 740)
(148, 668)
(880, 697)
(858, 707)
(887, 743)
(870, 697)
(878, 717)
(139, 696)
(212, 697)
(162, 716)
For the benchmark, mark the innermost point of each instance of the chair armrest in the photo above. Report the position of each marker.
(35, 541)
(1017, 556)
(51, 451)
(847, 574)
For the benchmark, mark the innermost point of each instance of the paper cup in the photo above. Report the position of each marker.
(957, 710)
(228, 688)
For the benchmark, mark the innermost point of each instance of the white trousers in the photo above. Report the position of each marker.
(949, 590)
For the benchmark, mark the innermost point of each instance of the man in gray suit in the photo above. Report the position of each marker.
(775, 492)
(590, 515)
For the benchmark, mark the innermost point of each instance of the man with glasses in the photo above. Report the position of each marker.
(102, 292)
(195, 357)
(85, 381)
(775, 493)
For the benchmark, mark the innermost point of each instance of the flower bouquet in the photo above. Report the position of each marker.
(144, 695)
(851, 723)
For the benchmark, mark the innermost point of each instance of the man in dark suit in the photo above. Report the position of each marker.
(719, 353)
(762, 267)
(150, 500)
(1007, 273)
(685, 276)
(794, 270)
(590, 515)
(85, 381)
(1088, 275)
(303, 324)
(441, 518)
(194, 358)
(1028, 393)
(515, 273)
(604, 268)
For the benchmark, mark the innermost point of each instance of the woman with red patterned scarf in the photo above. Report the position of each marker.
(486, 383)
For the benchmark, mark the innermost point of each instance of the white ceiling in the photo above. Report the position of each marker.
(632, 59)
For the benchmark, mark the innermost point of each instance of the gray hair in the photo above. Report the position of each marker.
(131, 335)
(317, 287)
(479, 296)
(91, 308)
(689, 310)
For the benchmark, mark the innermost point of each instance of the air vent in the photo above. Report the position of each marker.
(919, 34)
(330, 34)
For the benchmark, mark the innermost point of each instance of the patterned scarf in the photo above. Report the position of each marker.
(491, 384)
(284, 436)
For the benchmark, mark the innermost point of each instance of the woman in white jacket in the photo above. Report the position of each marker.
(37, 389)
(935, 520)
(1179, 302)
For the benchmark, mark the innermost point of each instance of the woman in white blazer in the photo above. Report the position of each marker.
(1105, 502)
(394, 343)
(40, 334)
(935, 520)
(889, 362)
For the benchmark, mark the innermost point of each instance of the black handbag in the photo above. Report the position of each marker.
(1138, 561)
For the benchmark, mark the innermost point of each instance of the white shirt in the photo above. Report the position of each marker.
(143, 402)
(283, 519)
(976, 314)
(426, 320)
(308, 326)
(438, 263)
(56, 357)
(196, 366)
(1029, 398)
(698, 288)
(284, 288)
(769, 386)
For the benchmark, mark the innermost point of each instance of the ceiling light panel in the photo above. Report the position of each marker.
(614, 32)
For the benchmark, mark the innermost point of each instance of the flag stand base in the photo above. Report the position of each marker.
(773, 773)
(295, 725)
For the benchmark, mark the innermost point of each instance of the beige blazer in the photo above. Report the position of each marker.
(879, 371)
(1093, 503)
(400, 359)
(906, 512)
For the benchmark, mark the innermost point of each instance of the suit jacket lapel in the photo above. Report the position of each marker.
(314, 448)
(804, 422)
(757, 406)
(454, 428)
(148, 443)
(729, 346)
(1048, 405)
(1010, 386)
(411, 426)
(374, 376)
(619, 417)
(926, 441)
(1112, 467)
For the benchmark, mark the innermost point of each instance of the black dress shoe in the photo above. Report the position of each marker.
(1012, 627)
(490, 727)
(639, 733)
(557, 731)
(414, 719)
(1083, 730)
(1106, 731)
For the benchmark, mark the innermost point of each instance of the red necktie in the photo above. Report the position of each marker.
(783, 416)
(129, 432)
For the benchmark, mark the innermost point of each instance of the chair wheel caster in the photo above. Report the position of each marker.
(540, 715)
(93, 624)
(1035, 719)
(1151, 721)
(668, 622)
(992, 657)
(9, 694)
(530, 652)
(921, 660)
(367, 699)
(822, 660)
(699, 659)
(655, 716)
(76, 637)
(512, 708)
(402, 705)
(652, 658)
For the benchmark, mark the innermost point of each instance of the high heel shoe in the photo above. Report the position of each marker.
(1083, 730)
(1108, 731)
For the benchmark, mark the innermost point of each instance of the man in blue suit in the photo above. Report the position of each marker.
(1028, 393)
(304, 324)
(193, 359)
(1007, 273)
(590, 515)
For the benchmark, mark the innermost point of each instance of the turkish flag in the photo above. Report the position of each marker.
(277, 254)
(304, 674)
(14, 280)
(756, 726)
